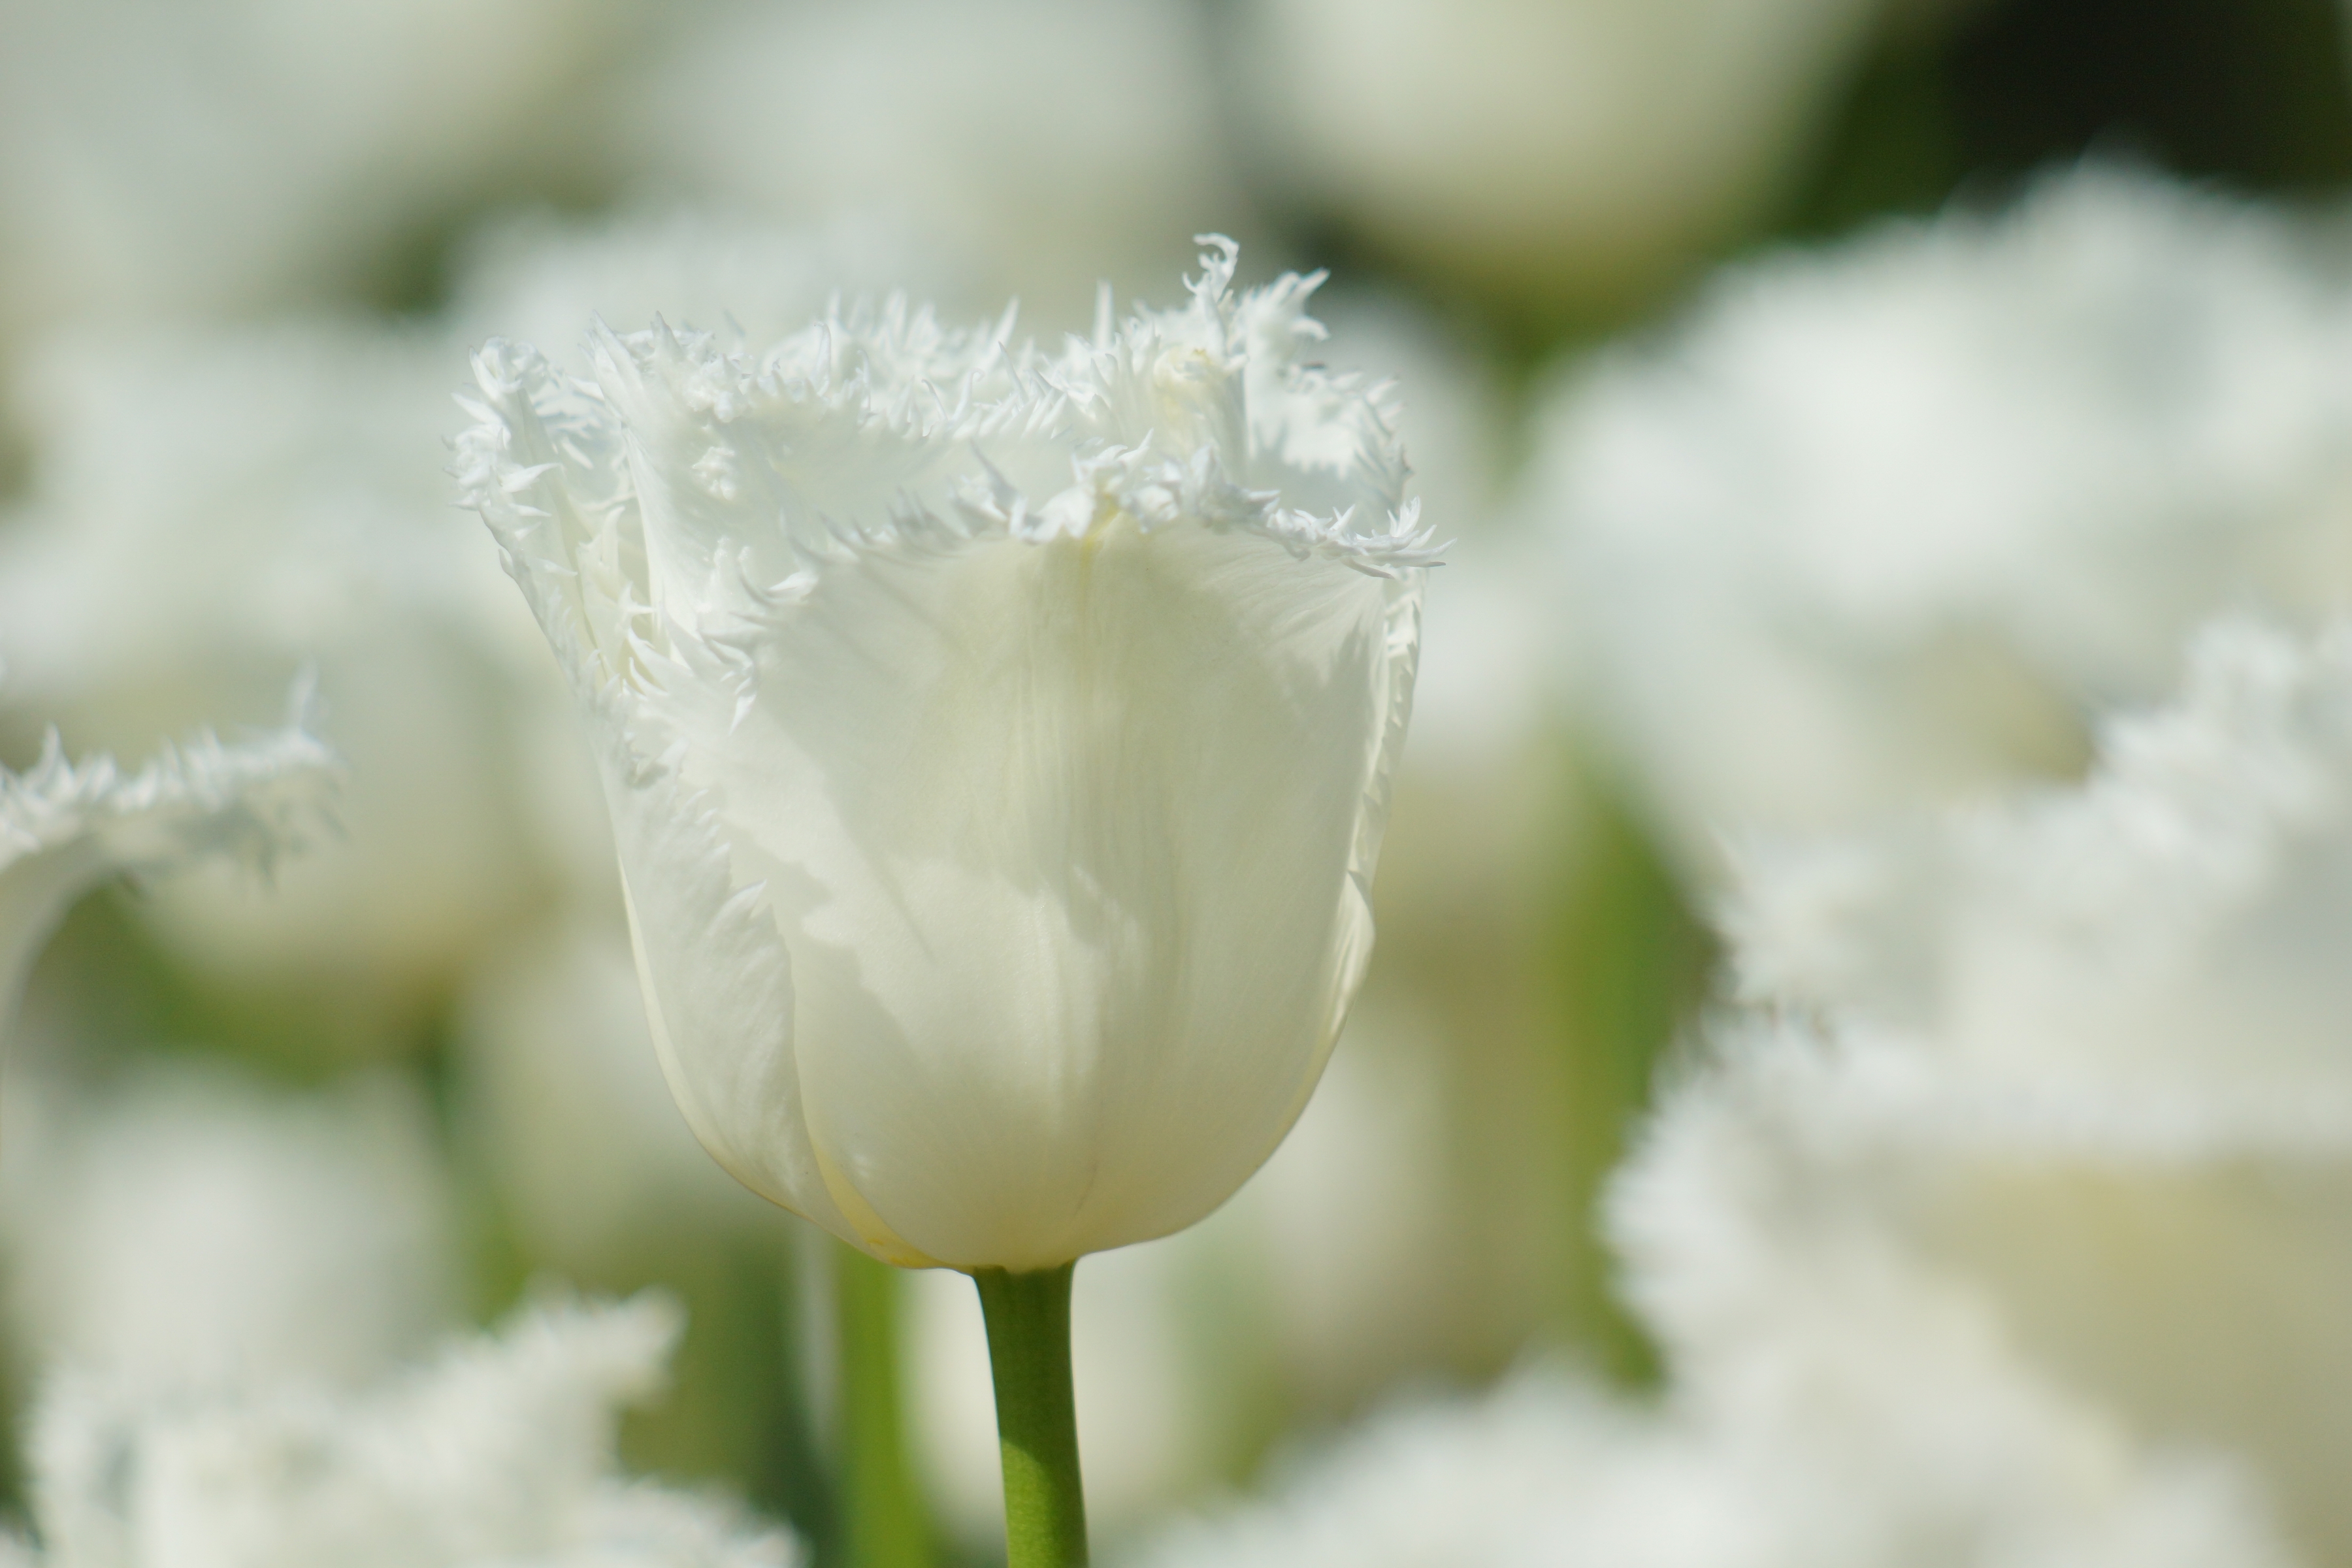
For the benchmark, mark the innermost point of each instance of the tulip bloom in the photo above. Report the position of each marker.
(67, 826)
(997, 742)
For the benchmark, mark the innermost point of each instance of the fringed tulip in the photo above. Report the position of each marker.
(997, 742)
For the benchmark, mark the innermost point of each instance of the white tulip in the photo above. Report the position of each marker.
(170, 164)
(66, 826)
(1576, 150)
(1885, 525)
(954, 120)
(498, 1453)
(1548, 1469)
(997, 742)
(189, 1229)
(2079, 1102)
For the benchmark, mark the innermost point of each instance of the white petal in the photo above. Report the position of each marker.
(1069, 842)
(2081, 1098)
(66, 827)
(498, 1452)
(1040, 708)
(1885, 526)
(717, 981)
(718, 985)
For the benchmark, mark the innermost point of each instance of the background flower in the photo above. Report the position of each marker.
(2081, 1101)
(1517, 146)
(498, 1452)
(66, 826)
(1050, 143)
(274, 114)
(1889, 525)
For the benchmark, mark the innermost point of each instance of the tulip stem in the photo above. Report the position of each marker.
(1028, 1319)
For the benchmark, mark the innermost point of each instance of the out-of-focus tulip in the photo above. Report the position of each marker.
(66, 826)
(566, 1107)
(1563, 152)
(188, 1229)
(1550, 1468)
(210, 511)
(541, 279)
(170, 164)
(1046, 143)
(1886, 525)
(2080, 1099)
(498, 1452)
(997, 742)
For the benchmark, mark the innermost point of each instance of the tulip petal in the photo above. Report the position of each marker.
(1055, 833)
(998, 741)
(64, 825)
(717, 982)
(713, 972)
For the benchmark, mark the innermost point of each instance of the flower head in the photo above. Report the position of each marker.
(1572, 152)
(183, 1228)
(1548, 1469)
(997, 741)
(2075, 1101)
(210, 510)
(1885, 525)
(959, 124)
(498, 1452)
(67, 826)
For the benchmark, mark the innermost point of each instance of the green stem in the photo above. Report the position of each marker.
(1036, 1418)
(881, 1513)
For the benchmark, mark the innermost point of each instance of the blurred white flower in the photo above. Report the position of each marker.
(2171, 928)
(64, 825)
(1046, 143)
(997, 742)
(1884, 525)
(1548, 1469)
(1446, 1145)
(168, 162)
(1876, 1395)
(1470, 1482)
(210, 512)
(1349, 1242)
(566, 1108)
(1573, 151)
(496, 1455)
(189, 1229)
(2083, 1102)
